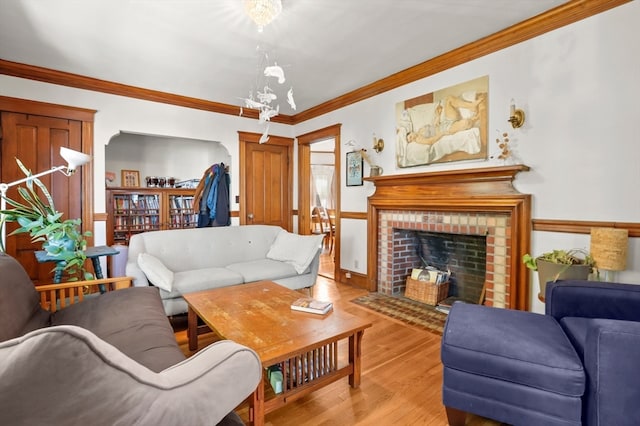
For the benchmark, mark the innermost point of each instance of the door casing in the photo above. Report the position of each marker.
(304, 183)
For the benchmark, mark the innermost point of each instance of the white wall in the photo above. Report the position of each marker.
(153, 155)
(117, 114)
(578, 86)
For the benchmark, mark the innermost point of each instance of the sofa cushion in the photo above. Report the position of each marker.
(264, 269)
(576, 329)
(201, 279)
(298, 250)
(20, 310)
(158, 274)
(132, 320)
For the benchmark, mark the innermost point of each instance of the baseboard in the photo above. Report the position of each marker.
(356, 279)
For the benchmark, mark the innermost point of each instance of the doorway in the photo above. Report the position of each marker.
(319, 193)
(323, 206)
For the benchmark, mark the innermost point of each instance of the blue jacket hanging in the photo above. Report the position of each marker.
(212, 197)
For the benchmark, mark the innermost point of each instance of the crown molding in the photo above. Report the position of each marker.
(558, 17)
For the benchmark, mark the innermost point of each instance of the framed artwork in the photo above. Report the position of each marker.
(354, 168)
(442, 126)
(130, 178)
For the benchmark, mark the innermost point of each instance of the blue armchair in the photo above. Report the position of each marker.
(579, 364)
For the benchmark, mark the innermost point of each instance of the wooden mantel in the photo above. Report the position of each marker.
(487, 189)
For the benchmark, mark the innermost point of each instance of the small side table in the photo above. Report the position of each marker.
(93, 253)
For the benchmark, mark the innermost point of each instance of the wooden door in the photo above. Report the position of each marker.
(266, 184)
(36, 141)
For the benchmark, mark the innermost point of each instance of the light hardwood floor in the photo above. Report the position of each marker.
(401, 375)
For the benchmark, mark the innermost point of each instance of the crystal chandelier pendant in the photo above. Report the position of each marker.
(262, 12)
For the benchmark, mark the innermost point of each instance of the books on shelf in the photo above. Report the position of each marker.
(307, 304)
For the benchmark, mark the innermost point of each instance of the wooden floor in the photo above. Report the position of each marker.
(401, 375)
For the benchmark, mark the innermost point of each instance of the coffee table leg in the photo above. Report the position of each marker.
(355, 349)
(256, 408)
(192, 329)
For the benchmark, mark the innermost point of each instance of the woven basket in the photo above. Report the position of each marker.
(426, 292)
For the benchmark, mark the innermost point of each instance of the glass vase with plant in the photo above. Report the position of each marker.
(61, 238)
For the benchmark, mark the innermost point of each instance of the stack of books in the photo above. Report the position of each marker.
(307, 304)
(444, 306)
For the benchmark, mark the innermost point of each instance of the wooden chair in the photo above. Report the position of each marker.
(321, 225)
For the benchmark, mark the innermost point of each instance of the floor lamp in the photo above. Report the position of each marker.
(74, 160)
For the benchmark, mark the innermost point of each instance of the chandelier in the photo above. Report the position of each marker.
(264, 98)
(262, 11)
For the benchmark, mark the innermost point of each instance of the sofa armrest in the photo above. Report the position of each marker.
(58, 296)
(593, 299)
(133, 270)
(50, 374)
(612, 351)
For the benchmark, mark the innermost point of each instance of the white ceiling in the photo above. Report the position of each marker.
(208, 49)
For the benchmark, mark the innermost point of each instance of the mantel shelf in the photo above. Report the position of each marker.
(449, 176)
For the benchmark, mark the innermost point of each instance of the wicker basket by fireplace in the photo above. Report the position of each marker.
(425, 291)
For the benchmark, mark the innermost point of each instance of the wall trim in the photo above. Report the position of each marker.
(582, 227)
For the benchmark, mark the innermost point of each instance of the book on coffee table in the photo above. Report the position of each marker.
(307, 304)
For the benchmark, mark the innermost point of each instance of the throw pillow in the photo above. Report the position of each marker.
(297, 250)
(156, 272)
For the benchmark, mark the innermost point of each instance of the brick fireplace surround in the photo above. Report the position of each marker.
(467, 202)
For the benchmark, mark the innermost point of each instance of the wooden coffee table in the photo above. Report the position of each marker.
(305, 346)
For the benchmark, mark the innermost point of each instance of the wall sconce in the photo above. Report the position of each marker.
(378, 144)
(516, 116)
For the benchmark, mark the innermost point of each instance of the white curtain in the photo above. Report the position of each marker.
(322, 185)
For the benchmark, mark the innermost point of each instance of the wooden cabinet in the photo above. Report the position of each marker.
(134, 210)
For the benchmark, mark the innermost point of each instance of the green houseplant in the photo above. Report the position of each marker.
(61, 239)
(559, 265)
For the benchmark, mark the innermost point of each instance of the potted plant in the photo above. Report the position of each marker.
(560, 265)
(61, 239)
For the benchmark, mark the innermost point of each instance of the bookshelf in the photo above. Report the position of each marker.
(134, 210)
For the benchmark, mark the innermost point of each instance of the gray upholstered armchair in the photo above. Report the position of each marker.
(111, 359)
(577, 365)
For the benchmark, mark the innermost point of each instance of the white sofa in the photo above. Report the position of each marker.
(188, 260)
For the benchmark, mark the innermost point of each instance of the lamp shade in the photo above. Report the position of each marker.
(609, 248)
(73, 158)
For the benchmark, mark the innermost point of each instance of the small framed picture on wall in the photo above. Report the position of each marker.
(130, 178)
(354, 168)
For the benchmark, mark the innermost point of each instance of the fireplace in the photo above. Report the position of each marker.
(463, 255)
(468, 203)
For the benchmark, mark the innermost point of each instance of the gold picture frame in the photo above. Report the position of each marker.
(130, 178)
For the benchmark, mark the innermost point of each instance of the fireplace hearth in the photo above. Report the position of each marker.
(464, 204)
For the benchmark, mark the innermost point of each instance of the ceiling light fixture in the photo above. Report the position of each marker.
(264, 98)
(262, 12)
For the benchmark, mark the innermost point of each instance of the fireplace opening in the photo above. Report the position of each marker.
(465, 256)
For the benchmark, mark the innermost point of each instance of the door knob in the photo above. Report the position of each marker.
(250, 216)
